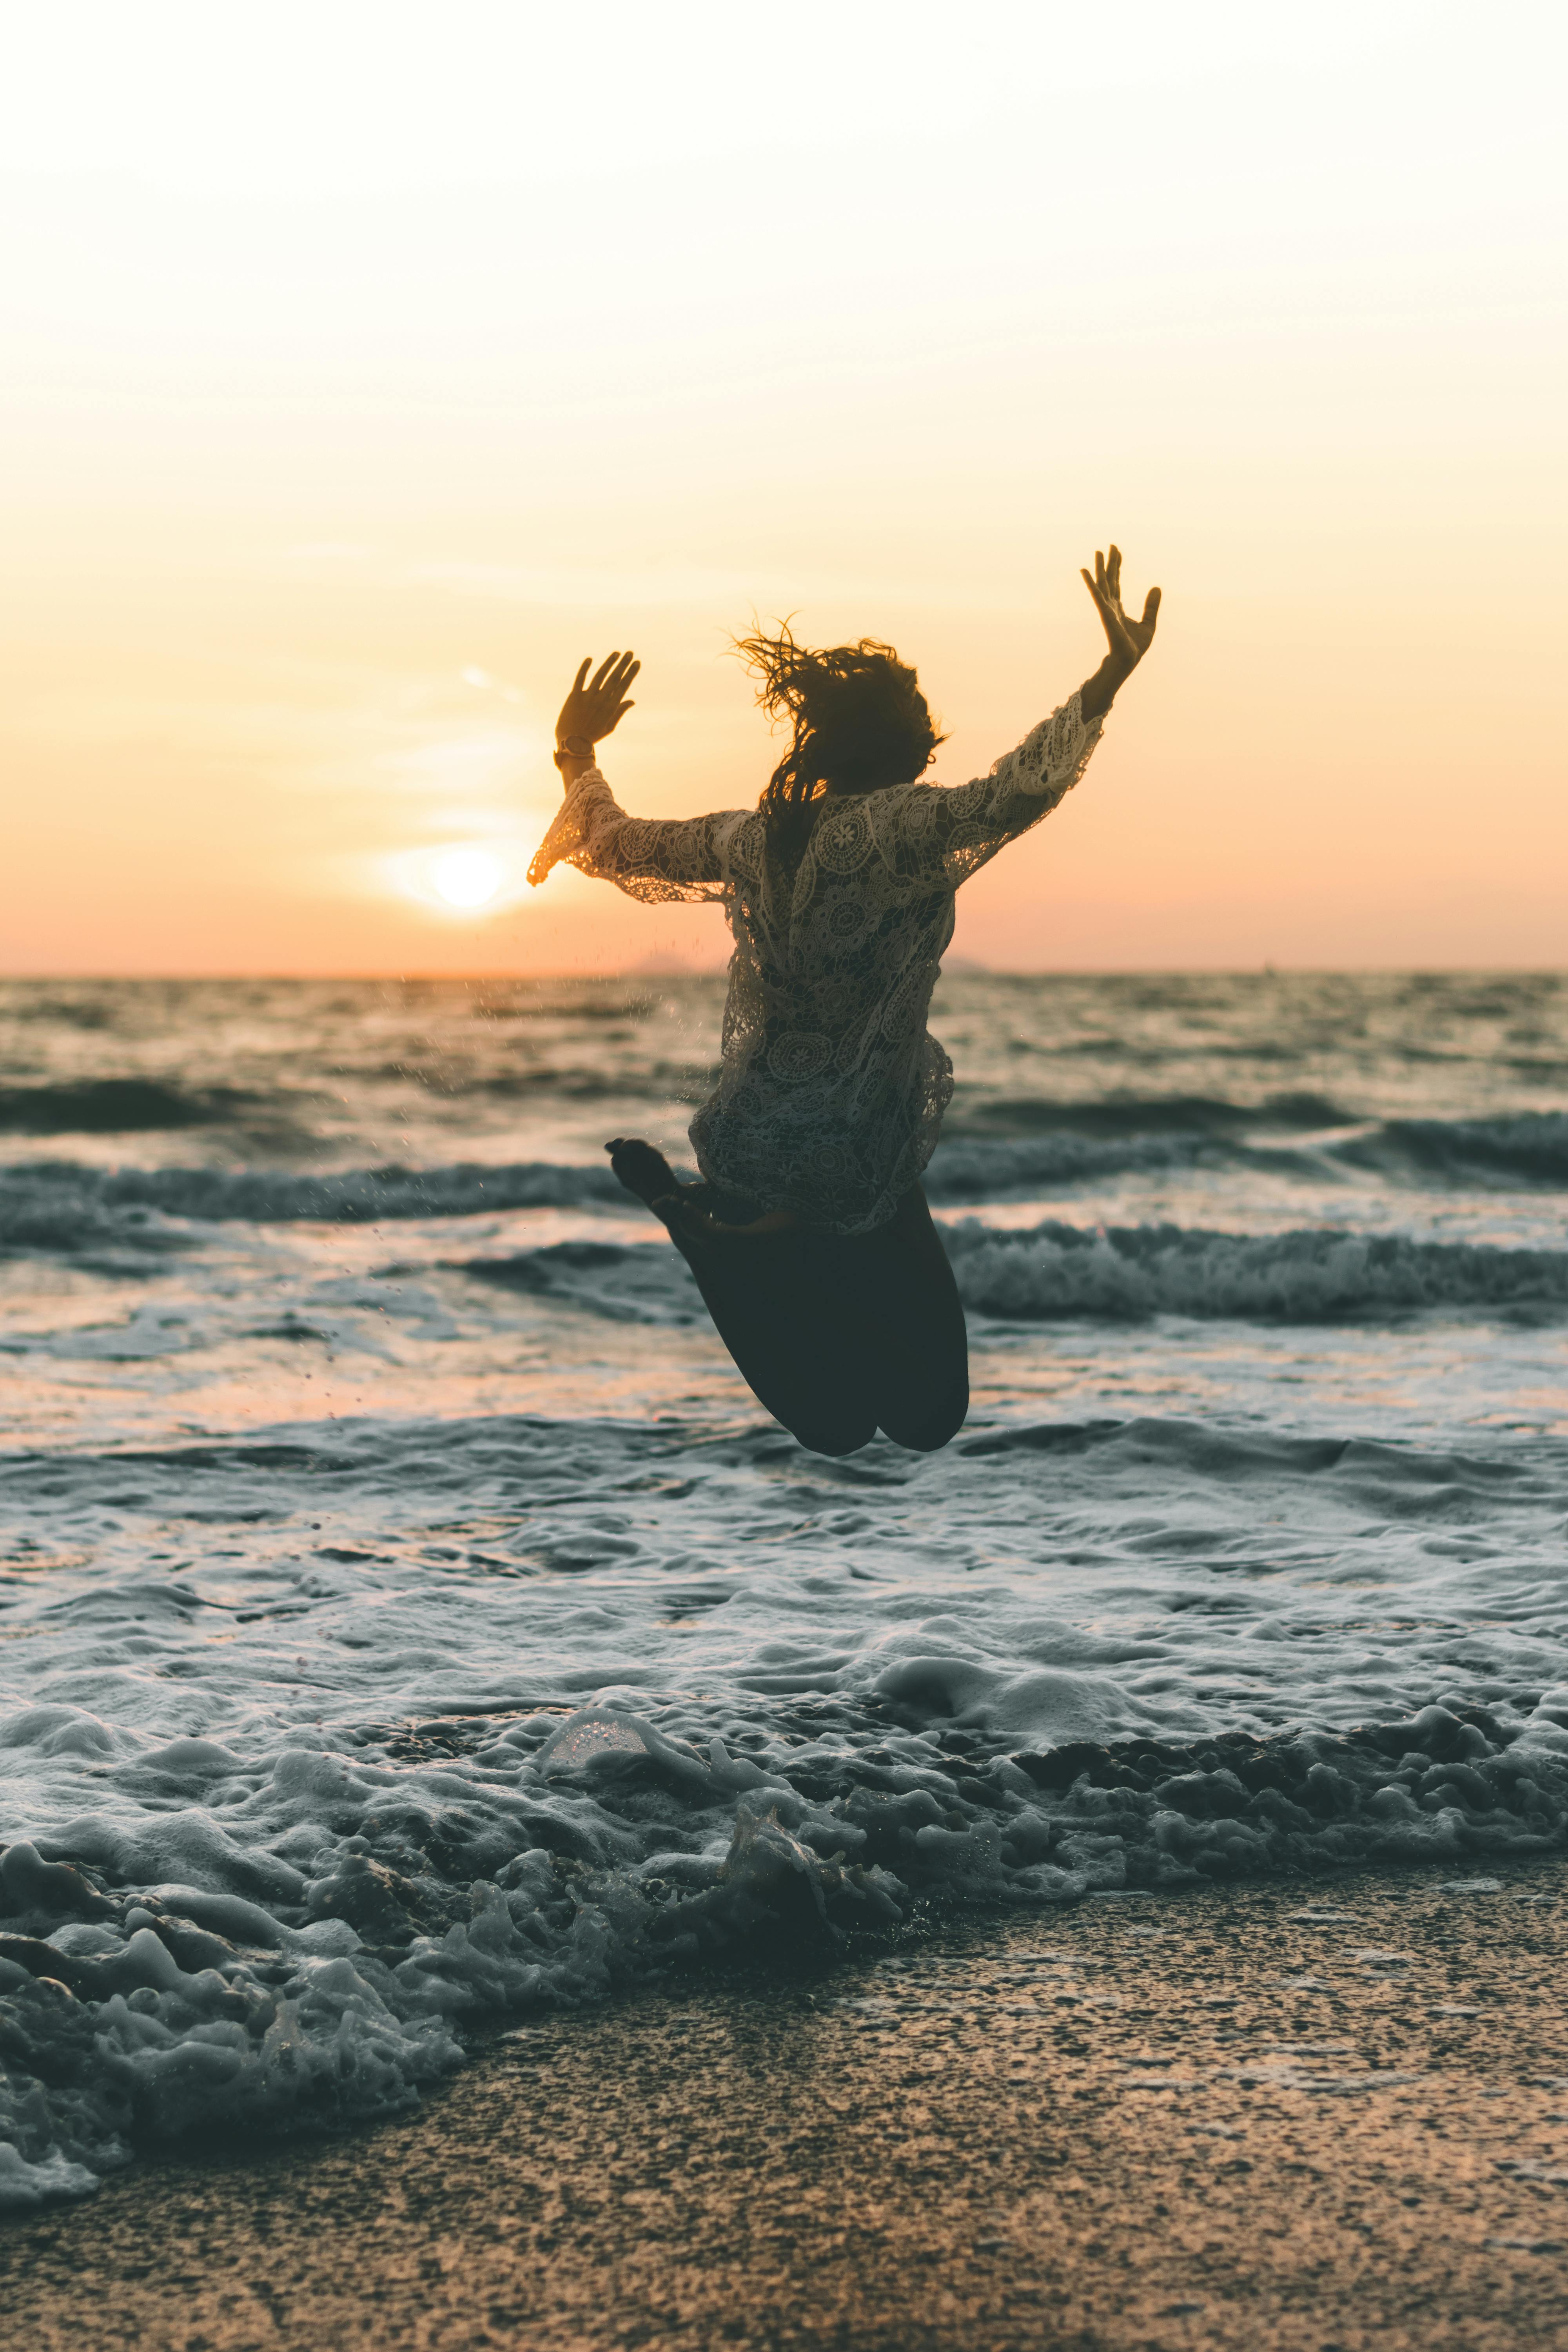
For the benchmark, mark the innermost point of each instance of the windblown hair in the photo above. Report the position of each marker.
(858, 718)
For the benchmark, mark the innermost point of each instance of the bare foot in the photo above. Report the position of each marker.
(642, 1169)
(648, 1174)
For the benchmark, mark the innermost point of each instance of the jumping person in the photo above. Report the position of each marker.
(809, 1236)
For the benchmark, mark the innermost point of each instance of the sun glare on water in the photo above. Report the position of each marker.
(468, 878)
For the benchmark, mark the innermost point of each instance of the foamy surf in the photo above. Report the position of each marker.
(159, 1980)
(298, 1908)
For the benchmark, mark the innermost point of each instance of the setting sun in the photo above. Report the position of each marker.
(468, 878)
(328, 460)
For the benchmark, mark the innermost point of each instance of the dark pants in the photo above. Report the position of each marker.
(839, 1335)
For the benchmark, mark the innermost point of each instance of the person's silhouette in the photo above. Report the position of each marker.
(809, 1236)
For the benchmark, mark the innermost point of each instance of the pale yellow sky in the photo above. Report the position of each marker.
(367, 365)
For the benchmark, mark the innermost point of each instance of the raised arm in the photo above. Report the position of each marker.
(975, 821)
(594, 709)
(650, 858)
(1128, 640)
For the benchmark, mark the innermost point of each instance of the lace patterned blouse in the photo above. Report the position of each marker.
(832, 1090)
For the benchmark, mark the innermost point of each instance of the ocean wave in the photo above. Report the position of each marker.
(972, 1169)
(1309, 1276)
(1529, 1147)
(1122, 1114)
(642, 1081)
(127, 1216)
(313, 1936)
(638, 1282)
(122, 1221)
(1072, 1145)
(118, 1106)
(66, 1206)
(62, 1205)
(1124, 1274)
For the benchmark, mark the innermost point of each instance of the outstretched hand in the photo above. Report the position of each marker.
(1129, 640)
(595, 710)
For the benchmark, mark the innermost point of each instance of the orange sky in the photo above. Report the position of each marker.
(369, 366)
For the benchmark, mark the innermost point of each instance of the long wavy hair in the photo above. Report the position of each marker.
(857, 720)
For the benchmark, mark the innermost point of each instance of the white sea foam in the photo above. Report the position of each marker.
(429, 1900)
(296, 1906)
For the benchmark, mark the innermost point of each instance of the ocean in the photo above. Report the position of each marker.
(407, 1618)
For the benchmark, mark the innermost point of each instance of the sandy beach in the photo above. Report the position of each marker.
(1332, 2114)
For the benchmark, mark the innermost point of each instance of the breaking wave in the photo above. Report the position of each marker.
(1309, 1276)
(311, 1937)
(1530, 1147)
(63, 1205)
(1123, 1274)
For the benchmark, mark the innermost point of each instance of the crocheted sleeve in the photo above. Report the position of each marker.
(648, 857)
(971, 823)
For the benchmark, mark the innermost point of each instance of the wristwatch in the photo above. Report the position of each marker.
(575, 747)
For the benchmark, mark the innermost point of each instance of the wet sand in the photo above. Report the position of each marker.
(1206, 2121)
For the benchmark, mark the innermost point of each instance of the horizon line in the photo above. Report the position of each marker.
(965, 969)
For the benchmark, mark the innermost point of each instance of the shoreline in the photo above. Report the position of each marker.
(1190, 2120)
